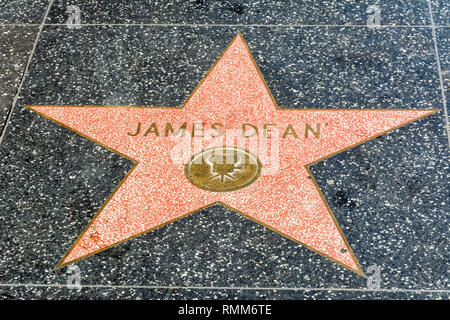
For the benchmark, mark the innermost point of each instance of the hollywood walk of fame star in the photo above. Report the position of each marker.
(157, 190)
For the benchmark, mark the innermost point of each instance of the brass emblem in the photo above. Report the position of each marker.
(222, 169)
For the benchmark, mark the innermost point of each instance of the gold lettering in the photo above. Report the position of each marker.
(194, 129)
(214, 127)
(244, 126)
(267, 130)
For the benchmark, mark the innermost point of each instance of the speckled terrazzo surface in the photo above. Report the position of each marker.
(389, 195)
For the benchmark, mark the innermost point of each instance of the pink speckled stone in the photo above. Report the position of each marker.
(157, 192)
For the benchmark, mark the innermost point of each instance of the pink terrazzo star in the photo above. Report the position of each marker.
(156, 191)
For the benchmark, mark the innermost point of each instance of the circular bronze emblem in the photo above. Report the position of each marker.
(222, 169)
